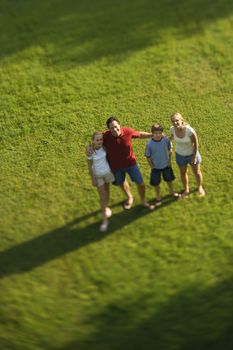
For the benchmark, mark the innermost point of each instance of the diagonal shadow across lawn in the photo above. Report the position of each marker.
(80, 32)
(198, 317)
(70, 237)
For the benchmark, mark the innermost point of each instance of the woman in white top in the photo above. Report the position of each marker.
(101, 175)
(186, 152)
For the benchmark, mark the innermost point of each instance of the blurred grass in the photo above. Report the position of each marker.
(154, 280)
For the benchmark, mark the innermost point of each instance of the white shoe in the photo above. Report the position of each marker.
(108, 212)
(104, 226)
(201, 192)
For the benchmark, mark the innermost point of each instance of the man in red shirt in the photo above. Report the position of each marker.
(121, 158)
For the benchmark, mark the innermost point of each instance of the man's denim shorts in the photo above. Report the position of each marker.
(133, 171)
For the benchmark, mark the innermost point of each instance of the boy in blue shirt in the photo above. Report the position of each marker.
(158, 154)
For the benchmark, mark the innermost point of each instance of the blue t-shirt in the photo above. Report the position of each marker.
(158, 151)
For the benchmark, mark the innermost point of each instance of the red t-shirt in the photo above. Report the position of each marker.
(119, 149)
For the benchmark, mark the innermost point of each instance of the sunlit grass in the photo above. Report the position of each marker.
(155, 280)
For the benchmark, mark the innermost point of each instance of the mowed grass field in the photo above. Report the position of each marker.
(160, 280)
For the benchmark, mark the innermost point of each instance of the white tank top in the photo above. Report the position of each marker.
(100, 165)
(184, 145)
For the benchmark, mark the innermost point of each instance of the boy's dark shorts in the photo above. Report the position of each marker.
(155, 177)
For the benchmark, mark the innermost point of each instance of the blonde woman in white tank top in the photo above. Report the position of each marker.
(186, 152)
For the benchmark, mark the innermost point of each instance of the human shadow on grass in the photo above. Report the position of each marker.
(70, 237)
(80, 32)
(197, 318)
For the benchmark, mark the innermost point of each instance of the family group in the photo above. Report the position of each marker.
(110, 157)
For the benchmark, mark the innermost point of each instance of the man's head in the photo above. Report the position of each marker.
(113, 125)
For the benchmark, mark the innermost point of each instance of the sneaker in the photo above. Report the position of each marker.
(158, 202)
(176, 195)
(104, 226)
(148, 206)
(108, 212)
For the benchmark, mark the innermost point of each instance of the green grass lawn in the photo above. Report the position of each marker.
(155, 280)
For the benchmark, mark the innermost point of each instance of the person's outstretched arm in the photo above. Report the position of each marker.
(144, 135)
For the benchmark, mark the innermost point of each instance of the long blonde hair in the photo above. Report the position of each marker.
(92, 144)
(95, 134)
(177, 114)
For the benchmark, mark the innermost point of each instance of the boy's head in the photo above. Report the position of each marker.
(157, 131)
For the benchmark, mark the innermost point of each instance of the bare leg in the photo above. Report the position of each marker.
(126, 189)
(158, 201)
(184, 178)
(170, 187)
(176, 195)
(142, 192)
(157, 193)
(198, 175)
(107, 191)
(106, 212)
(103, 200)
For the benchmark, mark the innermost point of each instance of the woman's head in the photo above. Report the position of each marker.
(177, 120)
(97, 139)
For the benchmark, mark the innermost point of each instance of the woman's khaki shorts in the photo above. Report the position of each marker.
(103, 179)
